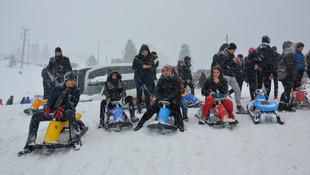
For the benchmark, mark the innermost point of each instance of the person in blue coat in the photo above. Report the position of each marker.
(300, 65)
(62, 102)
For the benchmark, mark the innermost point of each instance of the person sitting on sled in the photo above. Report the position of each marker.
(62, 102)
(167, 89)
(115, 91)
(216, 82)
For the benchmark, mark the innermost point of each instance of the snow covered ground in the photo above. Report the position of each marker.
(248, 149)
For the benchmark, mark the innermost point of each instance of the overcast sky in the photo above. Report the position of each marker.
(76, 26)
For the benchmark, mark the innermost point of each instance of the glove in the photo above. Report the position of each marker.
(47, 111)
(59, 112)
(188, 81)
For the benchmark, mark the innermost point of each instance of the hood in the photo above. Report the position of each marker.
(119, 77)
(287, 47)
(186, 59)
(144, 47)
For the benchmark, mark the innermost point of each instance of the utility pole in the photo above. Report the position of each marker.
(226, 39)
(99, 49)
(28, 54)
(23, 38)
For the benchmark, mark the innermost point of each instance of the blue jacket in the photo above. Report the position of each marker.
(300, 62)
(74, 97)
(27, 101)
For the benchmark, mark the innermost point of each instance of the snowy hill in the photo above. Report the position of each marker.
(248, 149)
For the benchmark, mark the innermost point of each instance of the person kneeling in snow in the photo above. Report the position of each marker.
(62, 102)
(115, 91)
(167, 89)
(215, 83)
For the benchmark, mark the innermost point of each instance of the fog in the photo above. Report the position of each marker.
(77, 26)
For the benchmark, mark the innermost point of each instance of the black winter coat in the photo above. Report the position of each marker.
(70, 101)
(168, 88)
(57, 67)
(211, 86)
(114, 89)
(225, 60)
(264, 57)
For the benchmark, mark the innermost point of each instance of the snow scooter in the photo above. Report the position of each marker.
(299, 98)
(120, 119)
(191, 100)
(50, 142)
(218, 116)
(39, 101)
(161, 122)
(262, 110)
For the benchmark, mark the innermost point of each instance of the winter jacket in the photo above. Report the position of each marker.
(227, 63)
(211, 86)
(276, 60)
(263, 56)
(139, 61)
(186, 70)
(114, 89)
(300, 62)
(180, 68)
(307, 61)
(10, 101)
(27, 101)
(69, 101)
(287, 62)
(215, 60)
(155, 64)
(168, 88)
(57, 67)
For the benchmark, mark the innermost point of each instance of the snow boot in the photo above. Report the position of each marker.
(132, 116)
(137, 128)
(240, 109)
(281, 107)
(279, 121)
(289, 108)
(185, 118)
(202, 122)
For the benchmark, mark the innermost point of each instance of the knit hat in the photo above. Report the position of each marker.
(70, 76)
(240, 56)
(232, 46)
(300, 44)
(251, 50)
(265, 39)
(58, 49)
(274, 48)
(167, 67)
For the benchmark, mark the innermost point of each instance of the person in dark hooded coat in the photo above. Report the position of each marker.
(115, 91)
(167, 89)
(142, 65)
(48, 84)
(286, 71)
(187, 74)
(216, 82)
(262, 60)
(58, 66)
(215, 59)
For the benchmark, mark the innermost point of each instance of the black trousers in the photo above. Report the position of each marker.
(155, 107)
(287, 83)
(190, 84)
(128, 100)
(298, 77)
(263, 77)
(39, 116)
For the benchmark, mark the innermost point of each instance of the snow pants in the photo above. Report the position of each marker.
(263, 77)
(287, 83)
(209, 101)
(298, 77)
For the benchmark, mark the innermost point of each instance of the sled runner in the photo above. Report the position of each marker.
(162, 119)
(50, 142)
(120, 119)
(262, 110)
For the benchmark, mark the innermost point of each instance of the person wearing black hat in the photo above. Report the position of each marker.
(228, 63)
(58, 66)
(155, 63)
(275, 75)
(62, 102)
(262, 60)
(300, 65)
